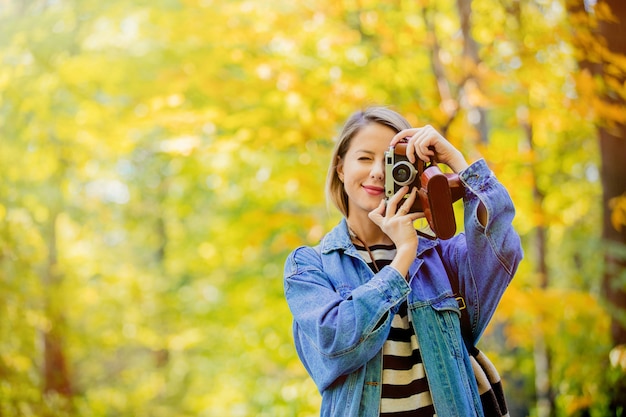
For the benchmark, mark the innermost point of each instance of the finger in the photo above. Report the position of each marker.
(416, 215)
(408, 203)
(376, 218)
(376, 215)
(426, 151)
(410, 150)
(419, 143)
(381, 207)
(394, 201)
(401, 135)
(423, 140)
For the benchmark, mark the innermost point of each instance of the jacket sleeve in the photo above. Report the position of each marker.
(484, 258)
(337, 330)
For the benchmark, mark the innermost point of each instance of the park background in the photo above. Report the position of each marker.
(160, 158)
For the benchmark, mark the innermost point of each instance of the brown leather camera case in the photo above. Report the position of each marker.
(437, 193)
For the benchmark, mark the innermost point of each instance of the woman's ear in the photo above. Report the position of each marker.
(339, 168)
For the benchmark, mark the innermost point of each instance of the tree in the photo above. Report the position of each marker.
(601, 41)
(612, 137)
(161, 158)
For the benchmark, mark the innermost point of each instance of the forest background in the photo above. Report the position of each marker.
(161, 158)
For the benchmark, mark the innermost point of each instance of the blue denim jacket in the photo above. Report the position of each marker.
(343, 311)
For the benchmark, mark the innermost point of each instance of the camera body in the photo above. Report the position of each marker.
(399, 171)
(436, 190)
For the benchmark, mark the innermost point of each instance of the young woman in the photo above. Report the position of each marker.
(376, 322)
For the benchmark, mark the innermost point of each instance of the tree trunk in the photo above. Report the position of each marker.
(602, 52)
(55, 370)
(449, 104)
(545, 401)
(612, 137)
(477, 114)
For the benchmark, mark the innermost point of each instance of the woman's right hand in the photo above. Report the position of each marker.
(426, 143)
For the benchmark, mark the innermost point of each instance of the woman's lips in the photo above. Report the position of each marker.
(373, 190)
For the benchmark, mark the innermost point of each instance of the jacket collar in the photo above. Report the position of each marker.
(339, 239)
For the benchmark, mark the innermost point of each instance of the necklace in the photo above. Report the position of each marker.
(367, 248)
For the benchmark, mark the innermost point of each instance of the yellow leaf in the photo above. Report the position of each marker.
(618, 211)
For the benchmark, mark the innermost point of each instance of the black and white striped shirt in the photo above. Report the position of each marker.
(405, 389)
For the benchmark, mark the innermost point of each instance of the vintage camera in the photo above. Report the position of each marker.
(436, 190)
(399, 171)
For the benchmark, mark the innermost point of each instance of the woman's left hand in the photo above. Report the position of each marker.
(426, 143)
(395, 220)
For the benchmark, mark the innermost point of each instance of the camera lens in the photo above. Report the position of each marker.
(403, 173)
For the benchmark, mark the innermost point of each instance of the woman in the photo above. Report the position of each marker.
(376, 322)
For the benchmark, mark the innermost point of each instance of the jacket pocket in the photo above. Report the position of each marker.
(448, 320)
(449, 303)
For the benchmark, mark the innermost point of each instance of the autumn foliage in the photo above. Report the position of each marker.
(161, 158)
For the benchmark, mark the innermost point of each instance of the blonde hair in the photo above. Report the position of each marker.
(377, 114)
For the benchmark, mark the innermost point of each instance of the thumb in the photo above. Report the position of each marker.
(376, 215)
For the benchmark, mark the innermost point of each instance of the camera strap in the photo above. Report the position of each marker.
(426, 235)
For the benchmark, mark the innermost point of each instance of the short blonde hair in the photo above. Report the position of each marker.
(335, 191)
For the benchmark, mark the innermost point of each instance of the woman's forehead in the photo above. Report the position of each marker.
(372, 138)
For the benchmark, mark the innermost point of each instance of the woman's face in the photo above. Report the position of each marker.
(362, 170)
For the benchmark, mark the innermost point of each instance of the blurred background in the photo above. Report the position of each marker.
(160, 158)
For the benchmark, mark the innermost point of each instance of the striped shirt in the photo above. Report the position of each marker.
(405, 389)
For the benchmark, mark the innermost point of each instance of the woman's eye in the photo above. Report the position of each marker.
(365, 158)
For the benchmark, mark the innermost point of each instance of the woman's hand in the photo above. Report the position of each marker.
(426, 143)
(395, 221)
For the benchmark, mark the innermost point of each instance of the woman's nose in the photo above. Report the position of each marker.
(378, 171)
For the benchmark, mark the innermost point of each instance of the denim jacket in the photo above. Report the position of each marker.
(343, 311)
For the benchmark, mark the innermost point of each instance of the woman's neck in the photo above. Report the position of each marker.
(367, 231)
